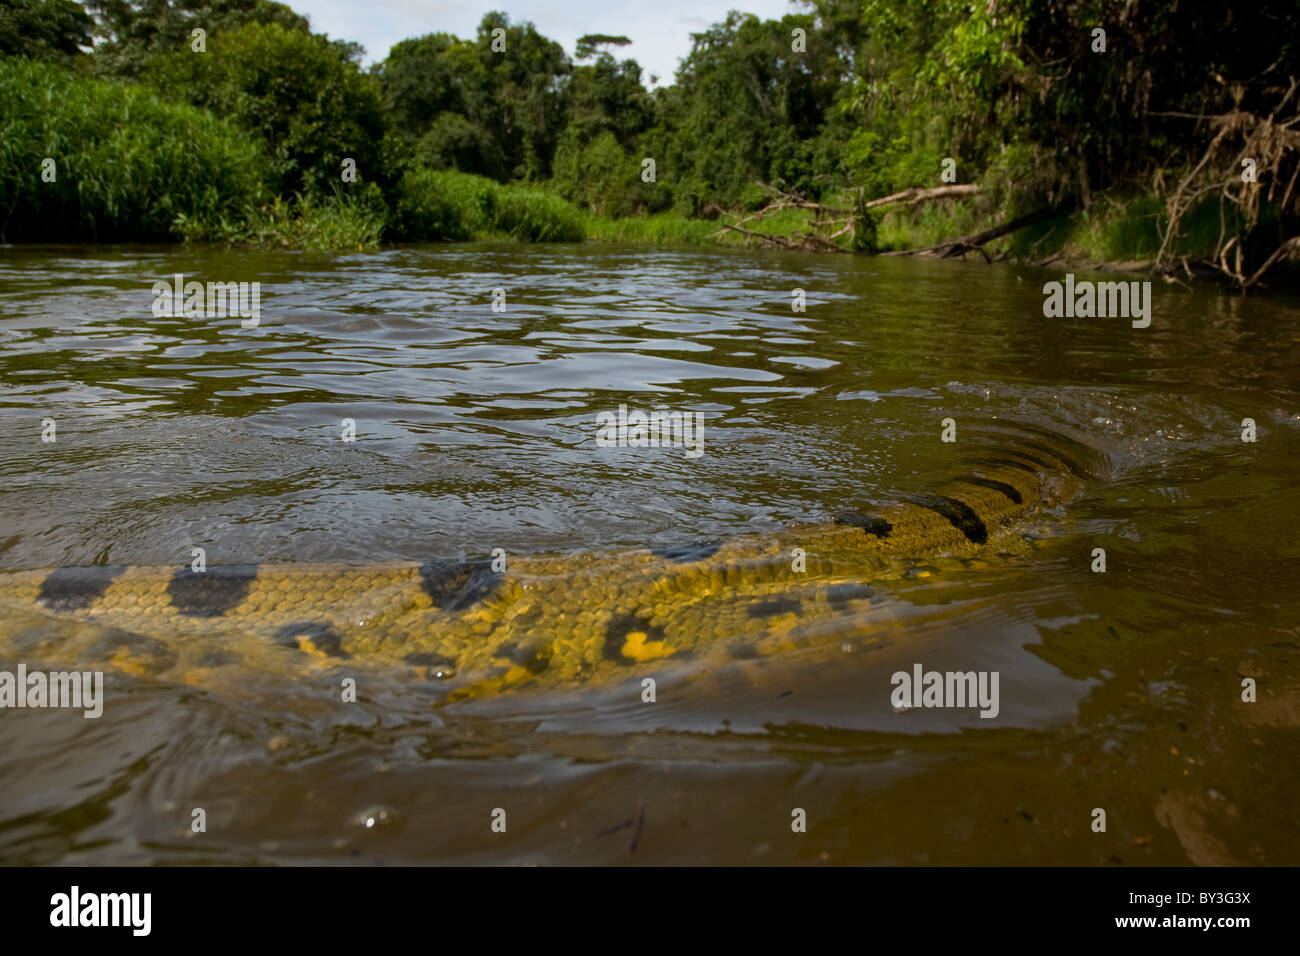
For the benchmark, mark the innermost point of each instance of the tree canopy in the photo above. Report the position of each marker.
(44, 29)
(1040, 101)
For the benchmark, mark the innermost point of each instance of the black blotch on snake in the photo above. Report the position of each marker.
(839, 595)
(960, 515)
(775, 606)
(74, 589)
(871, 524)
(455, 585)
(999, 486)
(210, 593)
(686, 553)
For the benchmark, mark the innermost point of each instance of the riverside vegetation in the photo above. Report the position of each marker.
(1165, 134)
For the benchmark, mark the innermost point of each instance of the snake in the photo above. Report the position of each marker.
(478, 627)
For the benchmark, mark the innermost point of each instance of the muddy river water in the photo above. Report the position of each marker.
(1125, 690)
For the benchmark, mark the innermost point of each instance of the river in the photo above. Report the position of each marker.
(1120, 690)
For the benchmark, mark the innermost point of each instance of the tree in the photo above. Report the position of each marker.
(301, 93)
(44, 29)
(505, 109)
(133, 31)
(420, 81)
(586, 46)
(607, 96)
(746, 106)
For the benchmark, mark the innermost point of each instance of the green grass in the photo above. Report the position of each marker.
(663, 228)
(927, 224)
(537, 216)
(436, 205)
(344, 221)
(127, 165)
(1114, 230)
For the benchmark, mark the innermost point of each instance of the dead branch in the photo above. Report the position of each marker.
(778, 206)
(1288, 250)
(763, 236)
(964, 244)
(1239, 135)
(816, 237)
(913, 195)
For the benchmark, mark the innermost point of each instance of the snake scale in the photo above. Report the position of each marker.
(545, 620)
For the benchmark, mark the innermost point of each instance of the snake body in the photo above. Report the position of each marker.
(544, 620)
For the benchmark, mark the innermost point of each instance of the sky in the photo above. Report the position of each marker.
(660, 30)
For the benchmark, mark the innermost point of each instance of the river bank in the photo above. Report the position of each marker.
(91, 170)
(1112, 236)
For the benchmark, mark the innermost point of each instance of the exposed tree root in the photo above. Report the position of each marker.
(1270, 147)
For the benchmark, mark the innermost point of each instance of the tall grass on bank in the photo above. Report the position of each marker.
(126, 164)
(346, 220)
(434, 205)
(665, 228)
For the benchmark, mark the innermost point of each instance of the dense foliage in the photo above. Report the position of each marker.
(848, 98)
(462, 105)
(452, 205)
(132, 32)
(301, 95)
(105, 161)
(44, 29)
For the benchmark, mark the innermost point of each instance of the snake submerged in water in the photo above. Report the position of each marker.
(546, 620)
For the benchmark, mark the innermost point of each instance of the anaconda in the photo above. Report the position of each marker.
(545, 620)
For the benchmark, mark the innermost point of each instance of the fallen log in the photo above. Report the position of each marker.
(974, 242)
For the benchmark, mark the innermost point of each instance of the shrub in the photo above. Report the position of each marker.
(126, 164)
(299, 92)
(450, 205)
(351, 218)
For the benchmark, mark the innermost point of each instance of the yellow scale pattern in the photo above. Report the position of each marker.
(547, 620)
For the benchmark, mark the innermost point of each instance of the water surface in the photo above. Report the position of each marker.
(476, 430)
